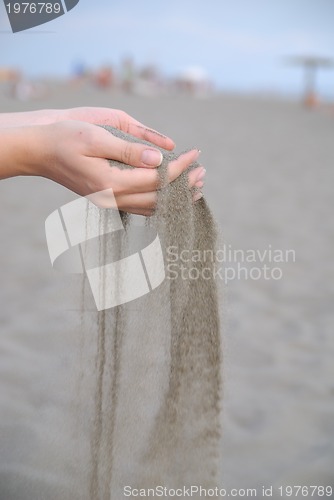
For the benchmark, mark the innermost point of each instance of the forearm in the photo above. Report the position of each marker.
(20, 151)
(41, 117)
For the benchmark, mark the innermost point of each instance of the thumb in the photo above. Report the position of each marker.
(130, 153)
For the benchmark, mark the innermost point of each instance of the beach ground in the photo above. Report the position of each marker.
(270, 181)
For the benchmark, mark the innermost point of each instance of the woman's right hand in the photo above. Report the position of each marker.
(73, 153)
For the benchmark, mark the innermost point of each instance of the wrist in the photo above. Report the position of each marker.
(21, 151)
(27, 118)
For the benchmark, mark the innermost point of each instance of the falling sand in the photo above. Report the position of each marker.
(155, 414)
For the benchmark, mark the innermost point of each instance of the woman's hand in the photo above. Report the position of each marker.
(99, 116)
(66, 147)
(75, 156)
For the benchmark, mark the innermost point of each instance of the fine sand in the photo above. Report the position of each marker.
(269, 183)
(166, 404)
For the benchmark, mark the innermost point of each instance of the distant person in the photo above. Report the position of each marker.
(128, 75)
(79, 72)
(104, 77)
(65, 146)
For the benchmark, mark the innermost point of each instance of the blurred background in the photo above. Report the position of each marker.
(252, 85)
(237, 47)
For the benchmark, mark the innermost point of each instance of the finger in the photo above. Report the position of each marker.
(152, 136)
(147, 180)
(121, 120)
(199, 184)
(106, 145)
(139, 211)
(144, 203)
(138, 129)
(195, 176)
(197, 196)
(138, 201)
(178, 166)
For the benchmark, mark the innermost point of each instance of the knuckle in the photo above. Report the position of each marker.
(89, 137)
(122, 118)
(127, 154)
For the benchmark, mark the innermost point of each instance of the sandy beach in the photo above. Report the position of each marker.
(270, 185)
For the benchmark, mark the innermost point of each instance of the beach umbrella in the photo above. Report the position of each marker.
(311, 65)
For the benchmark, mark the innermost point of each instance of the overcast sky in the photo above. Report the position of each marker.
(240, 43)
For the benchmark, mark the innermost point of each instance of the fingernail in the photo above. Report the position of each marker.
(199, 184)
(201, 174)
(152, 157)
(198, 196)
(197, 154)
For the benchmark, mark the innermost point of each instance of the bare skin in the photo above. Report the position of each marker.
(65, 146)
